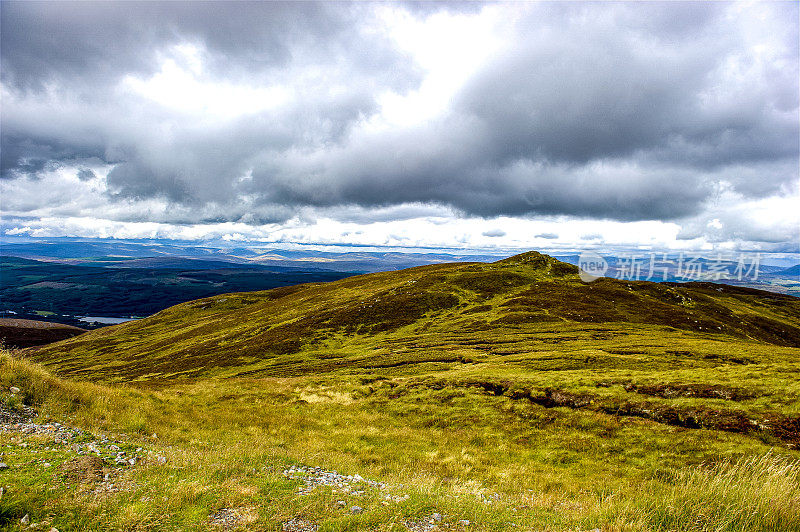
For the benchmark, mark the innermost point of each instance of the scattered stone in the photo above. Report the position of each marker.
(299, 525)
(233, 517)
(356, 510)
(3, 466)
(314, 477)
(423, 525)
(14, 390)
(437, 517)
(464, 522)
(26, 520)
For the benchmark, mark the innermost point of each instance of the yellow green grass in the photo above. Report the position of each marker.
(509, 395)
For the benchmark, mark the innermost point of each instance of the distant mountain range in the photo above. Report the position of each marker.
(164, 254)
(780, 275)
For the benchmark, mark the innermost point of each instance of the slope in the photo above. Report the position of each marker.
(481, 397)
(455, 311)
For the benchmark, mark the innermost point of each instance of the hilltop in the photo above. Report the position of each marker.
(414, 315)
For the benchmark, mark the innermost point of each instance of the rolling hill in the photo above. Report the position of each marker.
(469, 396)
(438, 312)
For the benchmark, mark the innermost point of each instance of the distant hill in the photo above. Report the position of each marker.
(144, 253)
(384, 318)
(18, 333)
(794, 271)
(62, 292)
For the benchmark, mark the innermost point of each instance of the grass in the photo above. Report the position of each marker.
(465, 399)
(461, 452)
(755, 493)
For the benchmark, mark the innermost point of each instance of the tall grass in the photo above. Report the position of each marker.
(92, 406)
(38, 387)
(756, 493)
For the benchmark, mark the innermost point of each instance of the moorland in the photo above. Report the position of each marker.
(468, 396)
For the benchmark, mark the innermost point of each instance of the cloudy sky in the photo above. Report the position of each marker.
(522, 125)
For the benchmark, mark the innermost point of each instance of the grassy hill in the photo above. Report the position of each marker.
(502, 396)
(447, 313)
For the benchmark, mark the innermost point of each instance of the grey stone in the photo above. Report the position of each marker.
(356, 510)
(26, 519)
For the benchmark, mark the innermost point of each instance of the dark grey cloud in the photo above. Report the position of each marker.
(573, 91)
(625, 111)
(92, 43)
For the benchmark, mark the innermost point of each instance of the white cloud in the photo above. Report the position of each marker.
(515, 125)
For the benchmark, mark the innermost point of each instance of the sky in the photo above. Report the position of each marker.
(456, 125)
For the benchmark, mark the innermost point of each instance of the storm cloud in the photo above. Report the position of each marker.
(255, 112)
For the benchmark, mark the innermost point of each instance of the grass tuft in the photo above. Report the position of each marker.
(755, 493)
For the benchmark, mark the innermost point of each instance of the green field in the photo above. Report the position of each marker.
(504, 396)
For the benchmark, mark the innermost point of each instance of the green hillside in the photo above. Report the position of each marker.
(442, 313)
(503, 396)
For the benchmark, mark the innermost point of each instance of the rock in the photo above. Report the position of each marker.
(341, 504)
(3, 466)
(161, 460)
(26, 519)
(53, 529)
(356, 510)
(437, 517)
(464, 522)
(14, 390)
